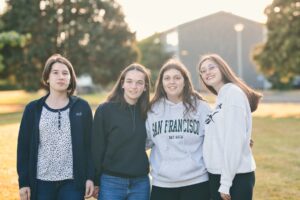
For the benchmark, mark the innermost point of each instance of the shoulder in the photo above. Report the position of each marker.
(104, 107)
(156, 107)
(35, 103)
(203, 104)
(231, 90)
(203, 108)
(79, 103)
(235, 95)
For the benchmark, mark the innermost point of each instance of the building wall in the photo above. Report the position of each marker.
(216, 34)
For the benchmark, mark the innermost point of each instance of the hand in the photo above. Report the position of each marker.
(225, 196)
(96, 192)
(89, 189)
(24, 193)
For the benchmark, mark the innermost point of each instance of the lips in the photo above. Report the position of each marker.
(172, 87)
(210, 77)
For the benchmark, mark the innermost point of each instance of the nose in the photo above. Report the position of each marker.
(61, 76)
(133, 84)
(172, 80)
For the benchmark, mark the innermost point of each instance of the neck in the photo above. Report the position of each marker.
(219, 86)
(130, 101)
(57, 100)
(174, 99)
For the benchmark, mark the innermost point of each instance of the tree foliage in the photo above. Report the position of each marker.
(13, 40)
(153, 54)
(279, 57)
(92, 34)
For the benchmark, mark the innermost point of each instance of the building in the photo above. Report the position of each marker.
(231, 36)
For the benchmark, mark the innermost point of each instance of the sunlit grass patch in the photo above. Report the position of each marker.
(276, 152)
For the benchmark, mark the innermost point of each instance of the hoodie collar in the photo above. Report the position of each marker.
(41, 101)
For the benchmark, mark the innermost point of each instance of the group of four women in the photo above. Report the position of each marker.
(196, 153)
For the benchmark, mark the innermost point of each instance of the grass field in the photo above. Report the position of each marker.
(276, 132)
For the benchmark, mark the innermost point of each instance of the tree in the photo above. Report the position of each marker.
(153, 54)
(279, 57)
(11, 39)
(92, 34)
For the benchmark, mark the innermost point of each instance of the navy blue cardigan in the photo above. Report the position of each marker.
(81, 119)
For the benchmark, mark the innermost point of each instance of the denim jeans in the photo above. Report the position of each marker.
(58, 190)
(117, 188)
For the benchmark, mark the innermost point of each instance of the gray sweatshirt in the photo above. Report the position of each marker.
(176, 141)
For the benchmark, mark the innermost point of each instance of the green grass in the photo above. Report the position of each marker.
(10, 118)
(276, 152)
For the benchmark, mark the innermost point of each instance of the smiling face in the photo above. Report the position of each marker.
(134, 85)
(211, 74)
(59, 78)
(173, 84)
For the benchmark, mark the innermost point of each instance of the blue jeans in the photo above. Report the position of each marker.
(116, 188)
(58, 190)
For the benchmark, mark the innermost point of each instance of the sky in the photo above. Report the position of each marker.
(146, 17)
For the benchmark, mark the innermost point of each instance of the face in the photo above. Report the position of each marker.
(134, 85)
(211, 74)
(59, 78)
(173, 83)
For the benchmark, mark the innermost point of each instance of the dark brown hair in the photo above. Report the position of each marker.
(117, 93)
(57, 58)
(229, 76)
(189, 95)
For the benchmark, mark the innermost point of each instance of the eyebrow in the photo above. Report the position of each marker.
(133, 79)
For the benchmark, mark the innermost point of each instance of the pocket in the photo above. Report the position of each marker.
(178, 170)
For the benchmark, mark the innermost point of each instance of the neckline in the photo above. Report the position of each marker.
(57, 110)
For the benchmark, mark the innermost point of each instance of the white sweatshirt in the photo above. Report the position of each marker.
(226, 148)
(176, 141)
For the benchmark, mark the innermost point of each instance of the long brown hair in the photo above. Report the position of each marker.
(229, 76)
(189, 94)
(117, 93)
(57, 58)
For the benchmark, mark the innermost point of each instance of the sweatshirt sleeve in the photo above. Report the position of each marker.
(99, 141)
(149, 142)
(88, 139)
(23, 147)
(234, 140)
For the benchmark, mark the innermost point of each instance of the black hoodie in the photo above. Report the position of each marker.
(118, 141)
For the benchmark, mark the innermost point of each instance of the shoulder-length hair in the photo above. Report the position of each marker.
(189, 94)
(117, 93)
(57, 58)
(229, 76)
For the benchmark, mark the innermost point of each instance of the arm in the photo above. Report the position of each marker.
(99, 141)
(23, 147)
(234, 141)
(149, 142)
(89, 185)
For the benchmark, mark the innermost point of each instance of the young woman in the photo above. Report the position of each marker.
(175, 127)
(119, 137)
(54, 139)
(227, 153)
